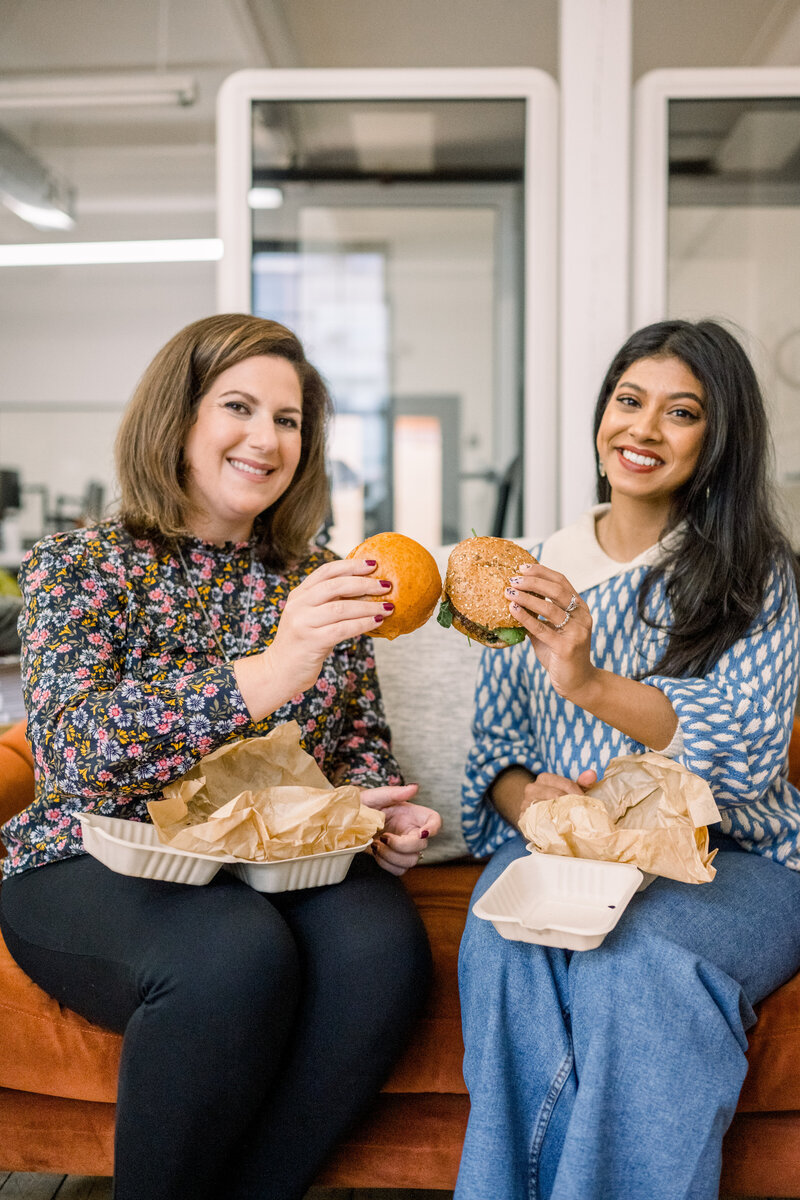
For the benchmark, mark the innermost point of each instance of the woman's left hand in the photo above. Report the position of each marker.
(562, 641)
(406, 829)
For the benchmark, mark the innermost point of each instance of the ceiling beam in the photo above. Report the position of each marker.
(267, 40)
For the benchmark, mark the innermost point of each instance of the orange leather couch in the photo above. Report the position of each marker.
(58, 1072)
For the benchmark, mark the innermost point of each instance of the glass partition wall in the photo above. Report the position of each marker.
(718, 226)
(395, 222)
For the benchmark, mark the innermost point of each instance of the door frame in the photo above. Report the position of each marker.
(540, 275)
(652, 95)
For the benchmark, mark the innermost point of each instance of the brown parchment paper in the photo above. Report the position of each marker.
(646, 810)
(262, 799)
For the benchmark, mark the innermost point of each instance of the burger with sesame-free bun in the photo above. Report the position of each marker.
(413, 574)
(474, 600)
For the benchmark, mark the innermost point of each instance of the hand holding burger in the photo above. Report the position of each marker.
(414, 577)
(559, 625)
(497, 594)
(474, 599)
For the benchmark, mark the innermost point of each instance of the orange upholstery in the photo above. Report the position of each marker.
(16, 773)
(58, 1072)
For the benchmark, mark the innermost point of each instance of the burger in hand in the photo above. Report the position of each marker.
(474, 600)
(413, 574)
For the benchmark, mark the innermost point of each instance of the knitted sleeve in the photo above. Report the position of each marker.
(735, 723)
(502, 738)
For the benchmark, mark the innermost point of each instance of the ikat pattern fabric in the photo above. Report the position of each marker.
(125, 688)
(734, 724)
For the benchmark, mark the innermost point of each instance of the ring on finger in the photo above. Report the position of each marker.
(567, 618)
(573, 604)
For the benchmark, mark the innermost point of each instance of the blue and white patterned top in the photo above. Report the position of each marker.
(734, 725)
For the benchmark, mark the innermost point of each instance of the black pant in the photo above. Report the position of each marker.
(256, 1028)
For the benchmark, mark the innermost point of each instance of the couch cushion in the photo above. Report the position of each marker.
(773, 1080)
(427, 681)
(432, 1061)
(16, 773)
(47, 1048)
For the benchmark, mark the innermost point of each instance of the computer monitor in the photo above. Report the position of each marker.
(10, 492)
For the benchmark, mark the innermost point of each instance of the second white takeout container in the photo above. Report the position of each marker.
(553, 900)
(134, 848)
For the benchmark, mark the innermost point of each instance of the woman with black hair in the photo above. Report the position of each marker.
(665, 619)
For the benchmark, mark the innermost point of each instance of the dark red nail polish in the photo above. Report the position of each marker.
(389, 607)
(425, 833)
(386, 583)
(371, 562)
(379, 618)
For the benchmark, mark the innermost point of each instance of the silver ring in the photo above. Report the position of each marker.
(567, 618)
(573, 604)
(421, 856)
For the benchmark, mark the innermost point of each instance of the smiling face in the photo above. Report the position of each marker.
(243, 449)
(652, 430)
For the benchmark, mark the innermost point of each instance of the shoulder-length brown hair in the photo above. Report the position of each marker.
(151, 438)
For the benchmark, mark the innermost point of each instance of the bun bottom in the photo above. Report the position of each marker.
(492, 642)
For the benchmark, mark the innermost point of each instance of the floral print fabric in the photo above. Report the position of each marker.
(125, 688)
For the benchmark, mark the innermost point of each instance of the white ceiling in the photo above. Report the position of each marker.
(150, 172)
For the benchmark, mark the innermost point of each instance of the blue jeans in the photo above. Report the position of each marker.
(613, 1073)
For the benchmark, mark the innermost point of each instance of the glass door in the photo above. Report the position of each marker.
(392, 232)
(724, 236)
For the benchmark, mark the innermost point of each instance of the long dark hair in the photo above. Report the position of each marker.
(726, 537)
(152, 435)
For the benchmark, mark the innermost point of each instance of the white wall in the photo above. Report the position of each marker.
(75, 342)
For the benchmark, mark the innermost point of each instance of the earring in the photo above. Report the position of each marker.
(601, 467)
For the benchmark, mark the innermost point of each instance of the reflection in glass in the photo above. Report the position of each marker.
(734, 245)
(388, 234)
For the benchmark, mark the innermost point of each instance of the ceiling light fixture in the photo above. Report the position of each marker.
(92, 91)
(62, 254)
(265, 197)
(28, 189)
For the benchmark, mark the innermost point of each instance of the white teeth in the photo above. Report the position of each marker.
(240, 466)
(641, 460)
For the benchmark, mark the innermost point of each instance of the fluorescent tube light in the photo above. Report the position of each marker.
(57, 254)
(265, 197)
(30, 191)
(92, 91)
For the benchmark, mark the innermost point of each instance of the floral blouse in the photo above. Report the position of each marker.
(125, 687)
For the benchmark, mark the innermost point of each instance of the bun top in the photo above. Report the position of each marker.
(478, 572)
(414, 576)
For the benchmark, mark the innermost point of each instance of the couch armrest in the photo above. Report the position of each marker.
(16, 772)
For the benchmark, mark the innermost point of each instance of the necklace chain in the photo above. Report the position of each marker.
(193, 588)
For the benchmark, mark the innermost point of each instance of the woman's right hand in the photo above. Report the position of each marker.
(328, 607)
(515, 790)
(549, 787)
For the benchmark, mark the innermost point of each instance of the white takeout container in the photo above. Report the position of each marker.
(313, 870)
(552, 900)
(134, 848)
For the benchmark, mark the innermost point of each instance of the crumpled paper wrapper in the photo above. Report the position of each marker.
(647, 810)
(262, 799)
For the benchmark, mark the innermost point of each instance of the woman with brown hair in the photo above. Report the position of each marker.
(256, 1028)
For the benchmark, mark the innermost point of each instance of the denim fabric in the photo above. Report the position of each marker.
(613, 1073)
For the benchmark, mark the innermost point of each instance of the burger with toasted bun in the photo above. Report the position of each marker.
(474, 600)
(413, 574)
